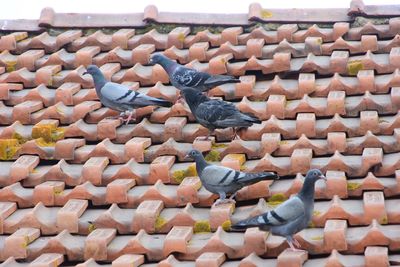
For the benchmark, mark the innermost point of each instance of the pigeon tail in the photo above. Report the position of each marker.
(217, 80)
(251, 118)
(252, 178)
(248, 223)
(162, 103)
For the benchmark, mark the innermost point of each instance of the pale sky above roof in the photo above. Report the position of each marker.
(30, 9)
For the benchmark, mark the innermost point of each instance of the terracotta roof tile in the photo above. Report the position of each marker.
(79, 188)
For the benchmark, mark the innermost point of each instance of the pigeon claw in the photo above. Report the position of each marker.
(224, 201)
(180, 100)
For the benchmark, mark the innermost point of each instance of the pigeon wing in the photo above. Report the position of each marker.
(189, 78)
(215, 110)
(216, 80)
(289, 211)
(222, 114)
(220, 175)
(121, 95)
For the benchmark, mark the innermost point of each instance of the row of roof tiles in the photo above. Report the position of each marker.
(156, 181)
(35, 59)
(103, 244)
(143, 208)
(20, 71)
(256, 13)
(180, 38)
(302, 123)
(255, 48)
(48, 103)
(373, 256)
(368, 130)
(71, 93)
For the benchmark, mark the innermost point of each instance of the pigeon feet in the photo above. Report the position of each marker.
(235, 134)
(113, 118)
(132, 116)
(294, 245)
(224, 201)
(180, 100)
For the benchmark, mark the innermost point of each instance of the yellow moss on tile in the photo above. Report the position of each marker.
(202, 227)
(10, 66)
(8, 148)
(353, 186)
(43, 143)
(43, 131)
(91, 227)
(316, 213)
(354, 66)
(26, 242)
(317, 238)
(181, 37)
(58, 191)
(49, 132)
(20, 36)
(240, 157)
(59, 110)
(160, 222)
(384, 220)
(20, 138)
(213, 155)
(179, 175)
(265, 14)
(58, 134)
(276, 199)
(218, 145)
(226, 225)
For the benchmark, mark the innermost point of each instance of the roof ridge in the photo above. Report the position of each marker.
(151, 14)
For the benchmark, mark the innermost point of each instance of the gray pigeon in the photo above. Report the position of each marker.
(119, 97)
(216, 114)
(291, 216)
(222, 180)
(182, 77)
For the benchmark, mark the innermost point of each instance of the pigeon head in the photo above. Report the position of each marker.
(97, 75)
(157, 58)
(194, 154)
(167, 64)
(92, 70)
(307, 191)
(314, 175)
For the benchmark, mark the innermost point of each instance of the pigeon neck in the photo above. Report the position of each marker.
(168, 65)
(193, 100)
(307, 191)
(201, 163)
(99, 81)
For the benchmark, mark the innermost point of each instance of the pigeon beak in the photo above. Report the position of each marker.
(151, 62)
(85, 73)
(323, 177)
(187, 157)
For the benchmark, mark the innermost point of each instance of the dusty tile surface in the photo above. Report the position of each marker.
(78, 189)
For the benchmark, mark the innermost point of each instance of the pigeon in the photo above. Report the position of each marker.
(291, 216)
(182, 77)
(216, 114)
(119, 97)
(222, 180)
